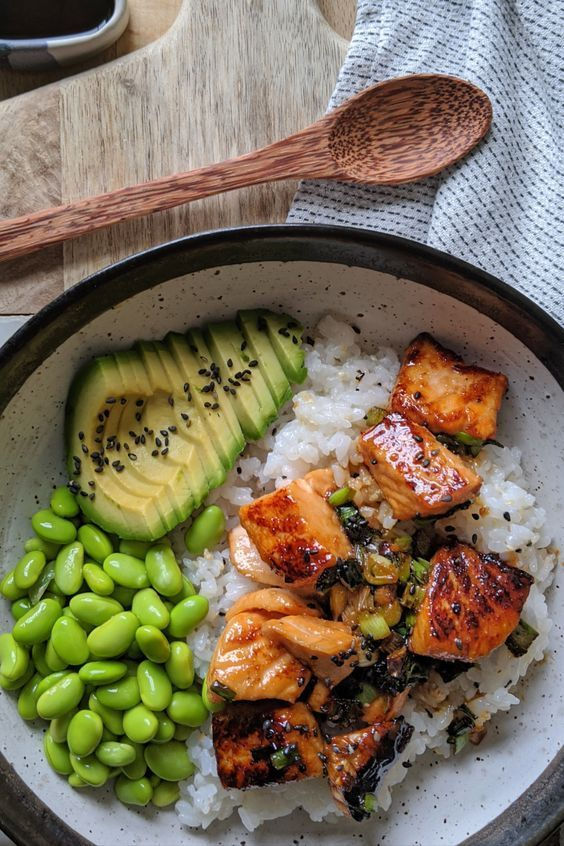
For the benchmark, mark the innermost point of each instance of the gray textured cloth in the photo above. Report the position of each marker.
(502, 208)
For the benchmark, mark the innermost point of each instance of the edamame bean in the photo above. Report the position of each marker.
(52, 659)
(97, 544)
(169, 761)
(187, 590)
(152, 643)
(61, 697)
(41, 586)
(154, 686)
(124, 596)
(102, 672)
(28, 569)
(90, 770)
(165, 731)
(166, 793)
(16, 684)
(63, 503)
(57, 755)
(187, 708)
(14, 659)
(150, 609)
(136, 548)
(48, 548)
(140, 724)
(138, 792)
(49, 680)
(127, 571)
(98, 581)
(114, 754)
(163, 570)
(38, 658)
(138, 767)
(182, 732)
(187, 614)
(9, 588)
(19, 607)
(68, 568)
(51, 527)
(206, 531)
(114, 636)
(112, 719)
(69, 640)
(59, 726)
(93, 609)
(36, 624)
(76, 781)
(212, 706)
(180, 665)
(121, 695)
(84, 732)
(27, 700)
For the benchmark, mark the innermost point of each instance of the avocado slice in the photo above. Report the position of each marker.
(261, 350)
(248, 391)
(151, 430)
(285, 335)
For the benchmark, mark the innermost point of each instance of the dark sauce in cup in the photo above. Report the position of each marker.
(29, 19)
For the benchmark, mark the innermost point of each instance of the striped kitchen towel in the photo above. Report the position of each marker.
(502, 208)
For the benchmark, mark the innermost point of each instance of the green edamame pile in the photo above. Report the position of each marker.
(98, 651)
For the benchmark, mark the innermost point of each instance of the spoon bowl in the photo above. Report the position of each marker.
(400, 130)
(405, 129)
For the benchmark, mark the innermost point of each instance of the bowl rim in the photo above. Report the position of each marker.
(539, 810)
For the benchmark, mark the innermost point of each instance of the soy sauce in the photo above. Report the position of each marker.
(28, 19)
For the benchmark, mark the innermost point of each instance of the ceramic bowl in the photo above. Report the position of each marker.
(508, 790)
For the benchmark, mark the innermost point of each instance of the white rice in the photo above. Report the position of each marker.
(319, 428)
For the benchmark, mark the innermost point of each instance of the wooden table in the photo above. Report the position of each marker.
(223, 77)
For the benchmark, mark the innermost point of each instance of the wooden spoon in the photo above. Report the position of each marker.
(400, 130)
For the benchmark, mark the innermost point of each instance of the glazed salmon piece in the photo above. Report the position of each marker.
(246, 559)
(296, 532)
(435, 388)
(357, 761)
(417, 475)
(273, 602)
(322, 481)
(472, 603)
(247, 735)
(248, 665)
(327, 647)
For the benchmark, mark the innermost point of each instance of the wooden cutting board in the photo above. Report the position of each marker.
(227, 76)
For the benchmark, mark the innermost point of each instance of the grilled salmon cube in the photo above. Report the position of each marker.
(417, 475)
(246, 664)
(472, 603)
(357, 761)
(436, 388)
(273, 602)
(265, 742)
(246, 559)
(328, 648)
(296, 532)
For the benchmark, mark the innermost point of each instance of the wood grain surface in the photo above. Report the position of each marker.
(227, 76)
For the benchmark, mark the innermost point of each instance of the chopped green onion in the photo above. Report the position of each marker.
(420, 569)
(410, 618)
(369, 803)
(403, 542)
(460, 727)
(404, 570)
(468, 440)
(282, 758)
(374, 625)
(340, 496)
(368, 693)
(521, 638)
(379, 570)
(375, 415)
(413, 595)
(223, 691)
(460, 741)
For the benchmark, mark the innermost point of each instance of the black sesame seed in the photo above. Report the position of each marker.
(172, 428)
(154, 453)
(475, 516)
(120, 468)
(158, 442)
(123, 400)
(99, 469)
(184, 415)
(164, 432)
(232, 391)
(243, 346)
(206, 389)
(253, 363)
(132, 456)
(138, 416)
(101, 418)
(92, 484)
(507, 516)
(207, 405)
(186, 387)
(99, 430)
(92, 496)
(83, 493)
(215, 406)
(81, 436)
(417, 395)
(164, 451)
(142, 439)
(171, 401)
(226, 388)
(474, 538)
(418, 439)
(294, 339)
(116, 463)
(139, 403)
(84, 449)
(202, 371)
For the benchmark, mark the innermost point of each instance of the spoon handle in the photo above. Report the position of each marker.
(299, 155)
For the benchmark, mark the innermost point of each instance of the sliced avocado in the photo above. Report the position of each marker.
(249, 393)
(285, 335)
(150, 431)
(213, 407)
(261, 350)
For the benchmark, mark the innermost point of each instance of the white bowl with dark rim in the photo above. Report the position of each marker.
(508, 791)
